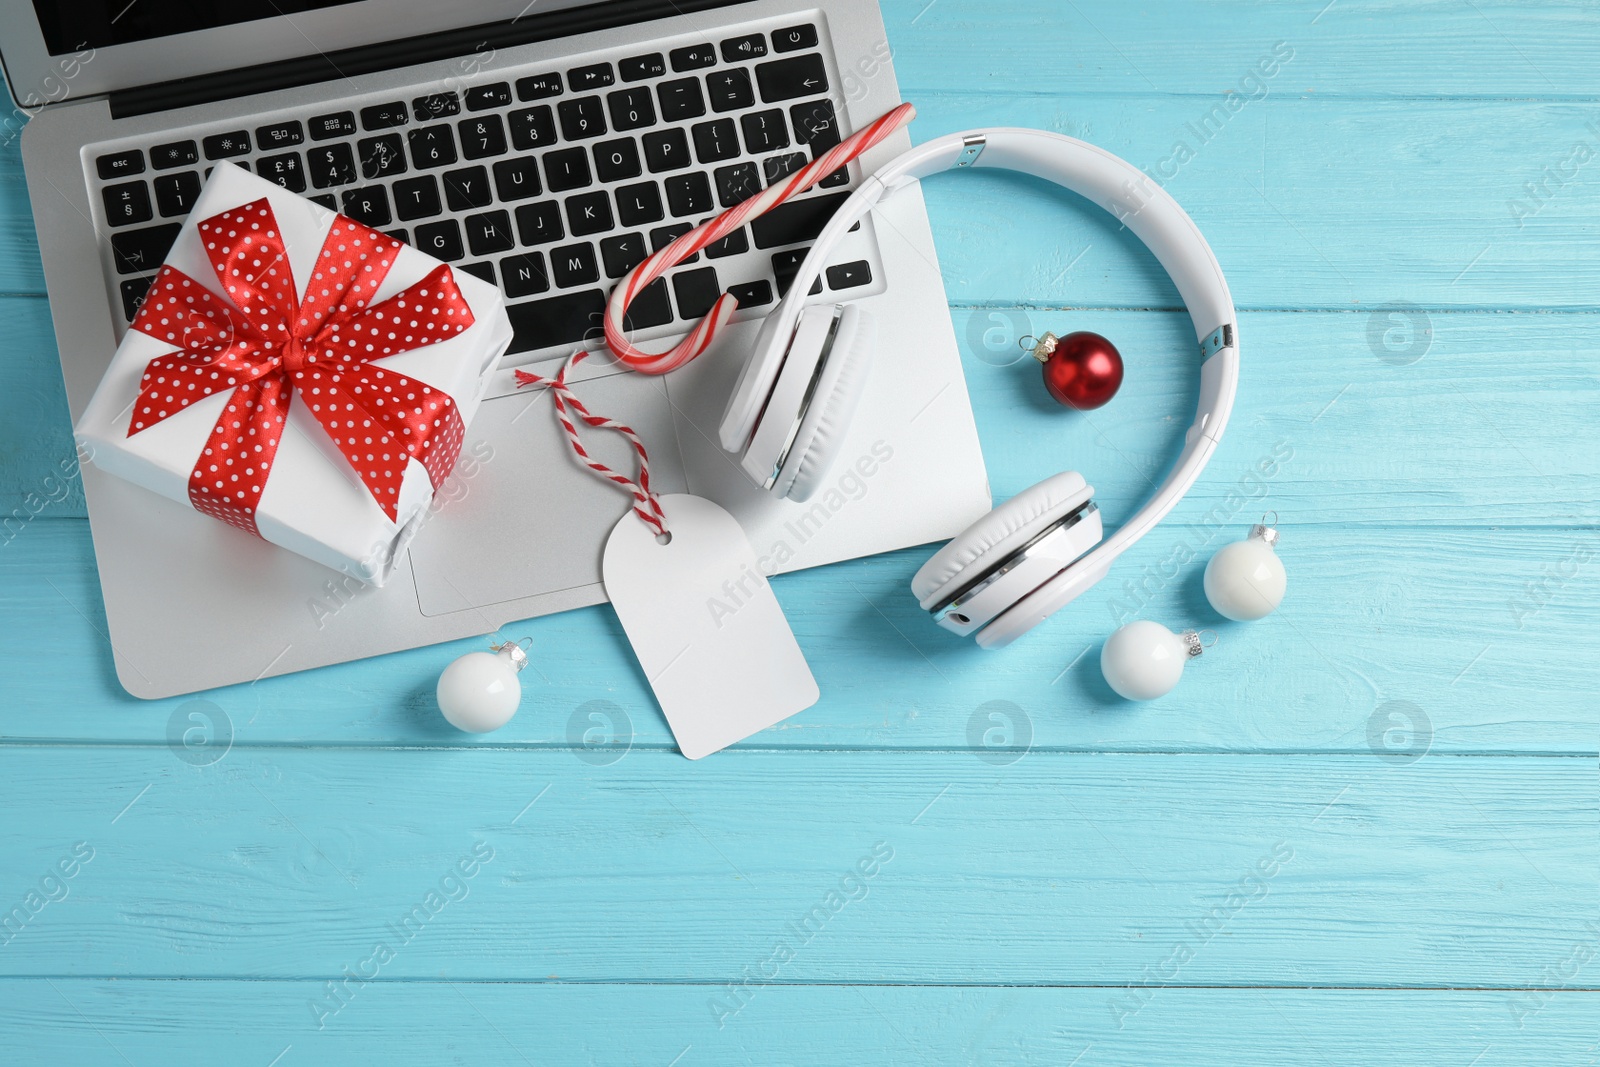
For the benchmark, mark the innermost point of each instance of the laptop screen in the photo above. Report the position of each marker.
(75, 25)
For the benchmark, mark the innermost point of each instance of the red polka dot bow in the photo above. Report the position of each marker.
(270, 344)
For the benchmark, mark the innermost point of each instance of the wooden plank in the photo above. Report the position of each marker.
(1391, 200)
(1058, 869)
(1488, 48)
(1477, 429)
(90, 1023)
(1488, 632)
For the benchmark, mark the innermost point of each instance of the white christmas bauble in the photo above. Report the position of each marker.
(480, 692)
(1246, 580)
(1143, 660)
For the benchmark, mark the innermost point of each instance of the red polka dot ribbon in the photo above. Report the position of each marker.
(270, 343)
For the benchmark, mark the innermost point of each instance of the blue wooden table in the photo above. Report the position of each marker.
(1363, 831)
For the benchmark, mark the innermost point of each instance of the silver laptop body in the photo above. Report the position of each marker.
(346, 101)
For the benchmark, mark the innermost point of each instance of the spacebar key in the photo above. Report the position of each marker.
(561, 320)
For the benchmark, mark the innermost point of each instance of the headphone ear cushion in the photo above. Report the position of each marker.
(827, 420)
(997, 535)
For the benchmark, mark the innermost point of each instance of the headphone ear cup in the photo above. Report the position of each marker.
(841, 382)
(754, 384)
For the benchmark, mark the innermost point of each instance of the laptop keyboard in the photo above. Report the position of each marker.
(552, 184)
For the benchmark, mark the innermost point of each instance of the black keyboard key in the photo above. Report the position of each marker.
(588, 79)
(126, 204)
(697, 291)
(836, 179)
(480, 270)
(693, 57)
(681, 100)
(794, 38)
(539, 86)
(780, 167)
(689, 194)
(384, 116)
(285, 170)
(581, 118)
(176, 193)
(279, 135)
(815, 125)
(176, 154)
(589, 213)
(226, 145)
(436, 106)
(650, 307)
(716, 140)
(338, 124)
(850, 275)
(490, 233)
(137, 251)
(369, 205)
(120, 164)
(735, 49)
(615, 161)
(524, 274)
(662, 236)
(732, 245)
(622, 253)
(641, 67)
(786, 267)
(557, 321)
(533, 127)
(796, 221)
(467, 189)
(482, 97)
(666, 150)
(574, 265)
(327, 200)
(638, 205)
(331, 165)
(539, 224)
(631, 109)
(382, 157)
(441, 240)
(402, 235)
(133, 294)
(752, 294)
(785, 79)
(737, 183)
(567, 169)
(730, 90)
(482, 136)
(417, 198)
(517, 179)
(431, 146)
(765, 131)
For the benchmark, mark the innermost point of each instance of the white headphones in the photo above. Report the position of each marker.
(1037, 552)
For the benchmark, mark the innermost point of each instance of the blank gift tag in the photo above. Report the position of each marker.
(705, 626)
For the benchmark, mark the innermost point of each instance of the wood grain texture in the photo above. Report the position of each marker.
(1475, 627)
(1405, 755)
(92, 1023)
(1057, 869)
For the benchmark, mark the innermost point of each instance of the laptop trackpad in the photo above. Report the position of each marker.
(520, 517)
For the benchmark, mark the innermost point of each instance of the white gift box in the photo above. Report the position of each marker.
(313, 503)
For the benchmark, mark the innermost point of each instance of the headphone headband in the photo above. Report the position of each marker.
(1140, 204)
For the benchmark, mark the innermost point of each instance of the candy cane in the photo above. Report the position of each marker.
(711, 232)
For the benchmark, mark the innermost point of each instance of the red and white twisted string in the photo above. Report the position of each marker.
(646, 504)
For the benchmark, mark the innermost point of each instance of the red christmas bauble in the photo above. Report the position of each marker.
(1084, 371)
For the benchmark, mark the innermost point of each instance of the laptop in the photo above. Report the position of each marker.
(546, 146)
